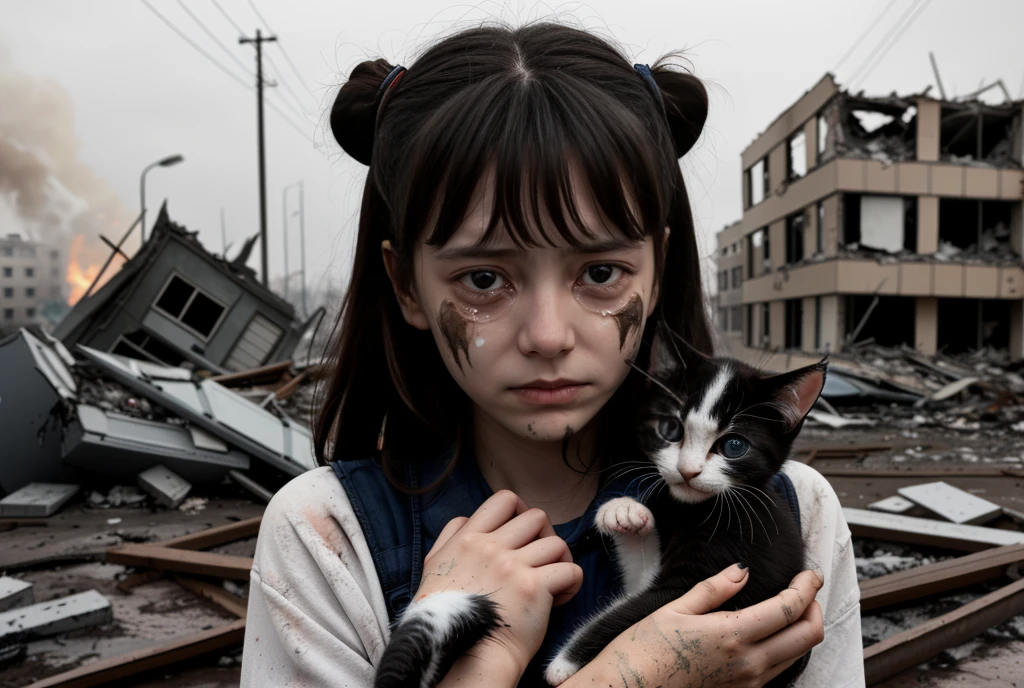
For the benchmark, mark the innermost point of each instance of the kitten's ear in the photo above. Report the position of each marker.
(794, 393)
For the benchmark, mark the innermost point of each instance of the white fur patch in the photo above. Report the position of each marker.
(440, 612)
(560, 670)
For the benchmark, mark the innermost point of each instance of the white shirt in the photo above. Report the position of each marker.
(317, 616)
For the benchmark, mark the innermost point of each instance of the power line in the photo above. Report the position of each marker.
(860, 39)
(287, 86)
(228, 17)
(885, 39)
(881, 57)
(214, 38)
(224, 69)
(284, 52)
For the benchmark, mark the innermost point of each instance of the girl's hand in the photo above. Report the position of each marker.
(511, 554)
(682, 645)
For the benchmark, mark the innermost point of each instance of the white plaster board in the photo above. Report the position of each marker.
(952, 503)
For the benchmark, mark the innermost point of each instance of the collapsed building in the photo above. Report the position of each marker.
(894, 220)
(174, 302)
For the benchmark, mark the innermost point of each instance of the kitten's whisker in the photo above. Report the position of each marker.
(634, 366)
(753, 510)
(741, 505)
(711, 512)
(767, 509)
(719, 502)
(750, 415)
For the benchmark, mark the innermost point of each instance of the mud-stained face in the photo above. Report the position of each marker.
(455, 330)
(544, 329)
(630, 318)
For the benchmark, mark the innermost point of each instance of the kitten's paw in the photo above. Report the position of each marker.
(624, 515)
(560, 670)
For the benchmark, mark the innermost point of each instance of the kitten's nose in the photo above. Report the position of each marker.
(689, 476)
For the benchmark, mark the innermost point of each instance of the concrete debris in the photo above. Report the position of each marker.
(15, 593)
(892, 505)
(951, 503)
(192, 505)
(61, 615)
(164, 486)
(36, 500)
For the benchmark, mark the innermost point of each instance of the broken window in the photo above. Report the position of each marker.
(883, 129)
(820, 233)
(191, 307)
(750, 325)
(822, 137)
(736, 318)
(766, 320)
(884, 320)
(794, 323)
(817, 323)
(141, 345)
(974, 227)
(977, 132)
(757, 181)
(766, 263)
(737, 277)
(795, 238)
(970, 324)
(881, 223)
(796, 156)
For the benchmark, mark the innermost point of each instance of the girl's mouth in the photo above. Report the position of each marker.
(549, 392)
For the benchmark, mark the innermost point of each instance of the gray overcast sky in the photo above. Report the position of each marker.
(140, 92)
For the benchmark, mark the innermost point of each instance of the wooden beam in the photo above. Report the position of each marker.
(272, 371)
(922, 642)
(214, 594)
(103, 671)
(925, 531)
(181, 561)
(942, 576)
(288, 388)
(213, 537)
(966, 472)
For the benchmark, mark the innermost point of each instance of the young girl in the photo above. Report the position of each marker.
(524, 229)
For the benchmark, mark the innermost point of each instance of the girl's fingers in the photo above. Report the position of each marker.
(524, 528)
(765, 618)
(544, 551)
(562, 579)
(711, 593)
(795, 640)
(454, 526)
(495, 512)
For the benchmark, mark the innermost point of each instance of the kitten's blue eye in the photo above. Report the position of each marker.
(670, 429)
(734, 446)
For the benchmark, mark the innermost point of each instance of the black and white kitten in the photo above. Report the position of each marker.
(716, 432)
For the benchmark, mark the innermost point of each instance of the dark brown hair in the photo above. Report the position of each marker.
(525, 103)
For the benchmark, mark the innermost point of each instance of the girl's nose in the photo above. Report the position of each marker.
(547, 330)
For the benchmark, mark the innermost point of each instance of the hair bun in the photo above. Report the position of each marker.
(354, 113)
(686, 105)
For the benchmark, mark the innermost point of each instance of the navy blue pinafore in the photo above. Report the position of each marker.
(400, 529)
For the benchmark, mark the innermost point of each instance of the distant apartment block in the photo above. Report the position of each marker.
(896, 219)
(31, 277)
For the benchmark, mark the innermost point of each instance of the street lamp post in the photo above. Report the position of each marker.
(302, 237)
(166, 162)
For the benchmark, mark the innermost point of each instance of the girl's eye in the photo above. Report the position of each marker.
(483, 280)
(602, 274)
(733, 446)
(670, 429)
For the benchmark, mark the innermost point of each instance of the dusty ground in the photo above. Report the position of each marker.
(65, 557)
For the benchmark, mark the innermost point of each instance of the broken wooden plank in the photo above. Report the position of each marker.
(272, 372)
(913, 472)
(943, 576)
(918, 644)
(102, 672)
(213, 537)
(925, 531)
(952, 503)
(214, 594)
(288, 388)
(181, 561)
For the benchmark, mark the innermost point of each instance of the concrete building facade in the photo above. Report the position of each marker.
(31, 278)
(898, 220)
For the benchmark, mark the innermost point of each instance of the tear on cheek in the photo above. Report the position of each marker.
(455, 331)
(629, 318)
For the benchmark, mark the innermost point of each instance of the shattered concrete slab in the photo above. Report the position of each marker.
(36, 500)
(952, 503)
(163, 485)
(61, 615)
(15, 593)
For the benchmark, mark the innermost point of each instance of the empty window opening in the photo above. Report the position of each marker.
(191, 307)
(878, 129)
(794, 323)
(766, 321)
(736, 318)
(736, 277)
(823, 140)
(796, 156)
(141, 345)
(970, 132)
(723, 319)
(889, 323)
(969, 226)
(817, 323)
(750, 325)
(795, 238)
(820, 233)
(971, 324)
(757, 181)
(880, 223)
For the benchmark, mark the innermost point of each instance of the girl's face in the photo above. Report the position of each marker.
(537, 337)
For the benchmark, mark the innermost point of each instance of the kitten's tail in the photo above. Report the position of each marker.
(431, 635)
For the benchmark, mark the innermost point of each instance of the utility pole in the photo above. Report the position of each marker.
(302, 245)
(259, 41)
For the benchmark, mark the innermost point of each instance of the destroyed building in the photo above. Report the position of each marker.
(896, 220)
(31, 282)
(173, 303)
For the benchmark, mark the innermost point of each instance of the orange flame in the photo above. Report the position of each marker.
(79, 276)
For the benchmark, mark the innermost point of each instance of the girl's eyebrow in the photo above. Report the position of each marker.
(483, 252)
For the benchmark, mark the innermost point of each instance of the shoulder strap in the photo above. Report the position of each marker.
(783, 485)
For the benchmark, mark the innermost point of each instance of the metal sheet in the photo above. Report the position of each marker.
(50, 364)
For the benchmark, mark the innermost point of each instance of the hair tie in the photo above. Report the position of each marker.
(390, 81)
(645, 72)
